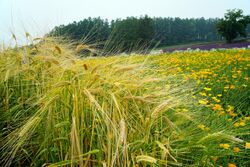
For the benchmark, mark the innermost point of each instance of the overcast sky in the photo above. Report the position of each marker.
(39, 16)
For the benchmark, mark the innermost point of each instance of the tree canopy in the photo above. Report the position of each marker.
(133, 33)
(234, 24)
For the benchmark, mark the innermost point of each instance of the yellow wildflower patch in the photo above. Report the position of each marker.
(204, 102)
(203, 94)
(236, 149)
(201, 126)
(242, 123)
(225, 146)
(207, 89)
(217, 107)
(221, 113)
(247, 146)
(231, 165)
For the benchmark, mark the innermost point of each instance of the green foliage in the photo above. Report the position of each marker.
(138, 33)
(131, 34)
(233, 25)
(88, 30)
(145, 30)
(171, 31)
(122, 35)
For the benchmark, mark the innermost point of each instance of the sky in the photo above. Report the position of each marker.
(40, 16)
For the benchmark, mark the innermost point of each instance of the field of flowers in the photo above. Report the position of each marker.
(176, 109)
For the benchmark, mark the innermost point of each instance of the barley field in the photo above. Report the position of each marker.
(171, 109)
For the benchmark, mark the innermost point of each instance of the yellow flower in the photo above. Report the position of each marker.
(230, 108)
(231, 165)
(179, 69)
(217, 107)
(207, 89)
(247, 118)
(203, 102)
(232, 87)
(247, 146)
(214, 98)
(225, 146)
(201, 126)
(236, 149)
(242, 123)
(203, 94)
(232, 114)
(236, 124)
(185, 110)
(221, 113)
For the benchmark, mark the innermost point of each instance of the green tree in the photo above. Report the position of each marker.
(234, 24)
(138, 34)
(145, 30)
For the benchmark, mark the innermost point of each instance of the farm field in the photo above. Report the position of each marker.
(208, 46)
(171, 109)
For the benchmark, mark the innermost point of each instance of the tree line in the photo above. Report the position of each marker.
(133, 33)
